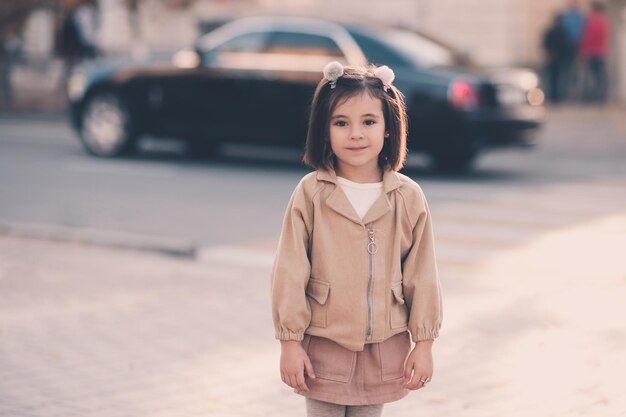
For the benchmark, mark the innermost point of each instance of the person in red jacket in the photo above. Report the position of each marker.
(594, 46)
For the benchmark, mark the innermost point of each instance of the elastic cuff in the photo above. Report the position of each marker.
(425, 334)
(289, 335)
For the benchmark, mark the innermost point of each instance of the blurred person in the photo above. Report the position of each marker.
(573, 22)
(76, 36)
(86, 15)
(594, 46)
(346, 346)
(558, 49)
(10, 47)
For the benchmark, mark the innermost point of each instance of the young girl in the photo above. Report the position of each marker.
(355, 278)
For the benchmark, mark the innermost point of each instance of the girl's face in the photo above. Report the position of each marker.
(357, 132)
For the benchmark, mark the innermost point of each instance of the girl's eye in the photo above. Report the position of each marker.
(342, 123)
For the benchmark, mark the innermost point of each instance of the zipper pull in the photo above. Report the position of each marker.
(372, 248)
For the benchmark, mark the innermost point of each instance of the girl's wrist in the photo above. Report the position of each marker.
(424, 344)
(289, 343)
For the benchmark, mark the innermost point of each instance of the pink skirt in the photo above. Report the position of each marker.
(374, 375)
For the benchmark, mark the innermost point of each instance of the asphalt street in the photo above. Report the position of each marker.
(48, 181)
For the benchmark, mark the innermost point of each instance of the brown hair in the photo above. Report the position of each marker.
(355, 80)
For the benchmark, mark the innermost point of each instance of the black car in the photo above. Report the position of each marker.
(251, 81)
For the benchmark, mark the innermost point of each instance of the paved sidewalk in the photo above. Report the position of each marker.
(38, 88)
(89, 331)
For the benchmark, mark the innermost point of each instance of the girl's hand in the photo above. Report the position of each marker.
(293, 362)
(419, 366)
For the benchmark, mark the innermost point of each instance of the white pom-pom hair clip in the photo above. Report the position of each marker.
(386, 75)
(333, 70)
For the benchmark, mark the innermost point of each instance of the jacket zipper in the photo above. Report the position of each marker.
(372, 248)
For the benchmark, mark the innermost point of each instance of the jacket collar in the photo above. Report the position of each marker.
(338, 201)
(391, 181)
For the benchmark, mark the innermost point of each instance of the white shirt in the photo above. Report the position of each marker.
(361, 195)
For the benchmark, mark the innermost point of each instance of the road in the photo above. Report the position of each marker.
(529, 250)
(47, 179)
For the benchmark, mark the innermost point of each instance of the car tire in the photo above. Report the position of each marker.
(106, 126)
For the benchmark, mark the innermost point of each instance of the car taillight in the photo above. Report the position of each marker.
(462, 94)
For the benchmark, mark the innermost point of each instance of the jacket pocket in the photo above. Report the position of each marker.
(399, 314)
(393, 354)
(318, 291)
(330, 360)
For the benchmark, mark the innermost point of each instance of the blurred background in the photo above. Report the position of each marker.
(494, 32)
(148, 149)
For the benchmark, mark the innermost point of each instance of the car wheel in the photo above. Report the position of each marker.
(106, 126)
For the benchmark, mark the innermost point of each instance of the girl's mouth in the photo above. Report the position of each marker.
(357, 149)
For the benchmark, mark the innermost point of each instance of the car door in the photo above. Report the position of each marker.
(290, 68)
(228, 82)
(174, 100)
(210, 101)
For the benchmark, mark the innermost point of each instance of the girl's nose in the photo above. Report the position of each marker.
(356, 133)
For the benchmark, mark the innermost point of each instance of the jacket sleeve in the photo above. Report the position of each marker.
(421, 285)
(291, 312)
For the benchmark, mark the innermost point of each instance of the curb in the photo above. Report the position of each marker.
(178, 247)
(241, 256)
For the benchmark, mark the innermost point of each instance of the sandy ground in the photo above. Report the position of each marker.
(540, 331)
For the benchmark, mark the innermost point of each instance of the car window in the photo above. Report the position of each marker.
(240, 52)
(275, 51)
(378, 53)
(294, 43)
(420, 50)
(248, 42)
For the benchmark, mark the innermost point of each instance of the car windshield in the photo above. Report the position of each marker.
(422, 51)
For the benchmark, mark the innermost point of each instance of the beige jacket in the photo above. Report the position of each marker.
(350, 280)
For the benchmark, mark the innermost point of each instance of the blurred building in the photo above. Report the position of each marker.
(494, 32)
